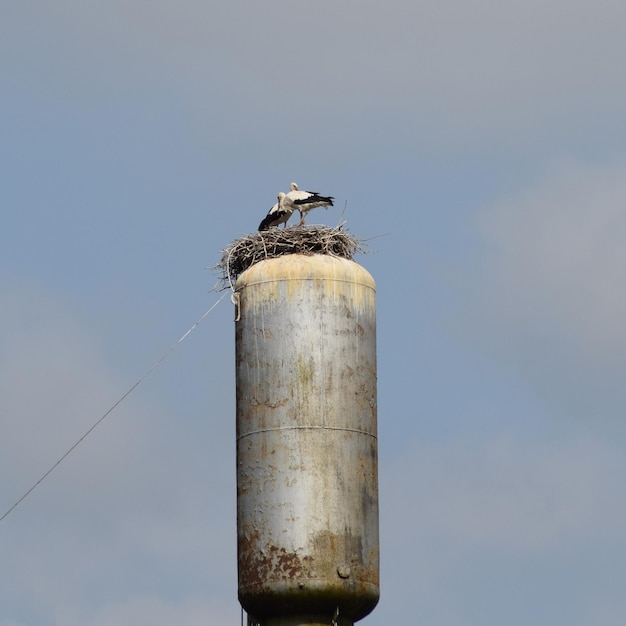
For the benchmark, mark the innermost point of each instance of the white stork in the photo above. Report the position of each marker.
(278, 214)
(304, 201)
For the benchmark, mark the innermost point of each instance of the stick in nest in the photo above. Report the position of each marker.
(250, 249)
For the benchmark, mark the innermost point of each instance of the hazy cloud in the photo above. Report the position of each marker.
(523, 498)
(547, 295)
(151, 611)
(141, 492)
(504, 520)
(447, 73)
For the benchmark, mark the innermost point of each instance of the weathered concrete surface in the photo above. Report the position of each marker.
(307, 501)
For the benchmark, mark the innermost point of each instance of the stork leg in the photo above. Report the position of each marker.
(301, 218)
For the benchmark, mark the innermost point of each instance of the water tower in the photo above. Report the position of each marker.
(307, 484)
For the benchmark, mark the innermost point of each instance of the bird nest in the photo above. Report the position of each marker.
(250, 249)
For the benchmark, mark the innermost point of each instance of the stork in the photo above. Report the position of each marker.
(304, 201)
(278, 214)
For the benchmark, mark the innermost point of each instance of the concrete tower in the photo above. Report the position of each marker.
(307, 485)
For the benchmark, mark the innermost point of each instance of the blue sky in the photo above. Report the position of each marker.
(480, 148)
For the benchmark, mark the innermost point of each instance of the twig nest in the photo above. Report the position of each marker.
(250, 249)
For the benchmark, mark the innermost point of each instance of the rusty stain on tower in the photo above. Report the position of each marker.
(307, 484)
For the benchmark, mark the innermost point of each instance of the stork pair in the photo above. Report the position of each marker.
(287, 203)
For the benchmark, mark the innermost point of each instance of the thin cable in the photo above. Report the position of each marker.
(156, 364)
